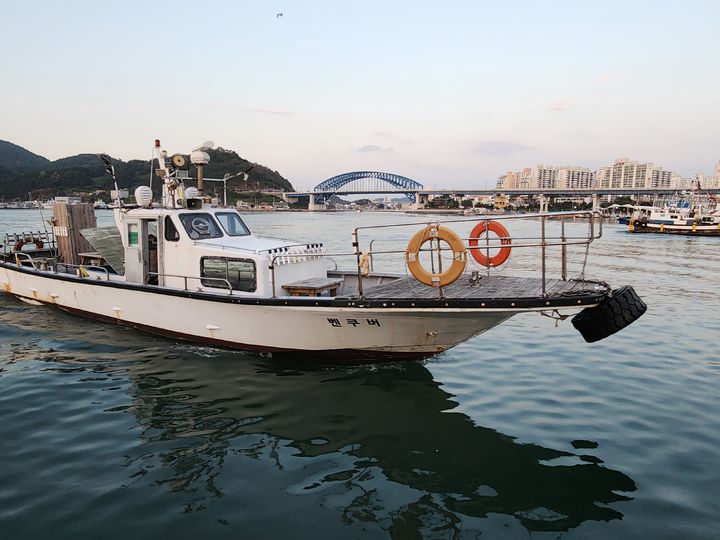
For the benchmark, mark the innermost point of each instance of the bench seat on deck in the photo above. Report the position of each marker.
(313, 287)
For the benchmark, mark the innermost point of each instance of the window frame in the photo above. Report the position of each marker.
(169, 219)
(217, 218)
(235, 286)
(187, 227)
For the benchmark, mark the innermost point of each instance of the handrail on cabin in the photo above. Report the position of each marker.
(185, 279)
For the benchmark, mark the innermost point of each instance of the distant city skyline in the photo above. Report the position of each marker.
(446, 94)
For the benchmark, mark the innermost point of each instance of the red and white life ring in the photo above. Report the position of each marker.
(479, 253)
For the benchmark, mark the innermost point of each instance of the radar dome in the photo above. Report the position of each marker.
(199, 157)
(143, 196)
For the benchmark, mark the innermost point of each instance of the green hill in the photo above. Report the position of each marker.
(81, 161)
(224, 161)
(23, 173)
(17, 158)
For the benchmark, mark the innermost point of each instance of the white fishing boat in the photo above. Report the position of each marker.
(180, 268)
(693, 215)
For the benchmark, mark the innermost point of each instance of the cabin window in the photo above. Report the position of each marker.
(171, 232)
(232, 224)
(240, 273)
(133, 234)
(200, 226)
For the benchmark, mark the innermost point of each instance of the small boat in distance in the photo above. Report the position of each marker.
(695, 215)
(184, 269)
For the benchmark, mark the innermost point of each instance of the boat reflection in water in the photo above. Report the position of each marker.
(376, 445)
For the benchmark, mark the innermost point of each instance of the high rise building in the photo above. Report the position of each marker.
(622, 174)
(680, 182)
(627, 174)
(544, 177)
(508, 180)
(574, 178)
(602, 177)
(547, 177)
(525, 179)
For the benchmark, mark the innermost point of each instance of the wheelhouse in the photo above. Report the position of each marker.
(212, 249)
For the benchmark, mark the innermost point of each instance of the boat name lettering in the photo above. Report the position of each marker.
(352, 322)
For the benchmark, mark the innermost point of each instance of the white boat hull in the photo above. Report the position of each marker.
(662, 228)
(340, 332)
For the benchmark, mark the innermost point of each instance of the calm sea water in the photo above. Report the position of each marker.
(523, 431)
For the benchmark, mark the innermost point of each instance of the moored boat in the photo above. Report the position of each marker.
(184, 269)
(692, 216)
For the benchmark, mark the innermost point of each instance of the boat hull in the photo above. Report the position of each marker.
(688, 230)
(319, 331)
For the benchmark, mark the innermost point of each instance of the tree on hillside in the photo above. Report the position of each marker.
(85, 173)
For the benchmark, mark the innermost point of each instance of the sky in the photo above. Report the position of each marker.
(451, 94)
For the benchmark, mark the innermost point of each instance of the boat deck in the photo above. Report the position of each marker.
(487, 287)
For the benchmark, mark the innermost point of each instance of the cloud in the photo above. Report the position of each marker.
(390, 137)
(373, 148)
(602, 80)
(498, 148)
(559, 106)
(276, 112)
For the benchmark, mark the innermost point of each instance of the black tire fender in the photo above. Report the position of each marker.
(616, 311)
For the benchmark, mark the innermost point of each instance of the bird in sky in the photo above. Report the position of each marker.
(278, 15)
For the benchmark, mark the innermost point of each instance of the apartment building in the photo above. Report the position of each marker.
(509, 180)
(574, 178)
(622, 174)
(544, 177)
(627, 174)
(547, 177)
(716, 176)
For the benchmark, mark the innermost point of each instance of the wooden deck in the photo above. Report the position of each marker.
(488, 287)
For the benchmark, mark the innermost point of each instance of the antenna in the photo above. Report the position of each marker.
(107, 161)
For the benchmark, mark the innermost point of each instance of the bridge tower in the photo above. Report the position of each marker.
(544, 203)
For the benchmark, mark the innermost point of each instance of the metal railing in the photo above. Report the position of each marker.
(186, 278)
(327, 256)
(19, 254)
(60, 268)
(543, 241)
(39, 238)
(51, 264)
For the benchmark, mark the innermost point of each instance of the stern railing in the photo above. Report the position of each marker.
(593, 218)
(364, 258)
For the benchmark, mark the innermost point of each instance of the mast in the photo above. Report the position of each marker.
(199, 157)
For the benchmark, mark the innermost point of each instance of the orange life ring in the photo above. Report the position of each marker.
(478, 253)
(436, 232)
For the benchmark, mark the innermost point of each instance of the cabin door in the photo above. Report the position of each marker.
(141, 253)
